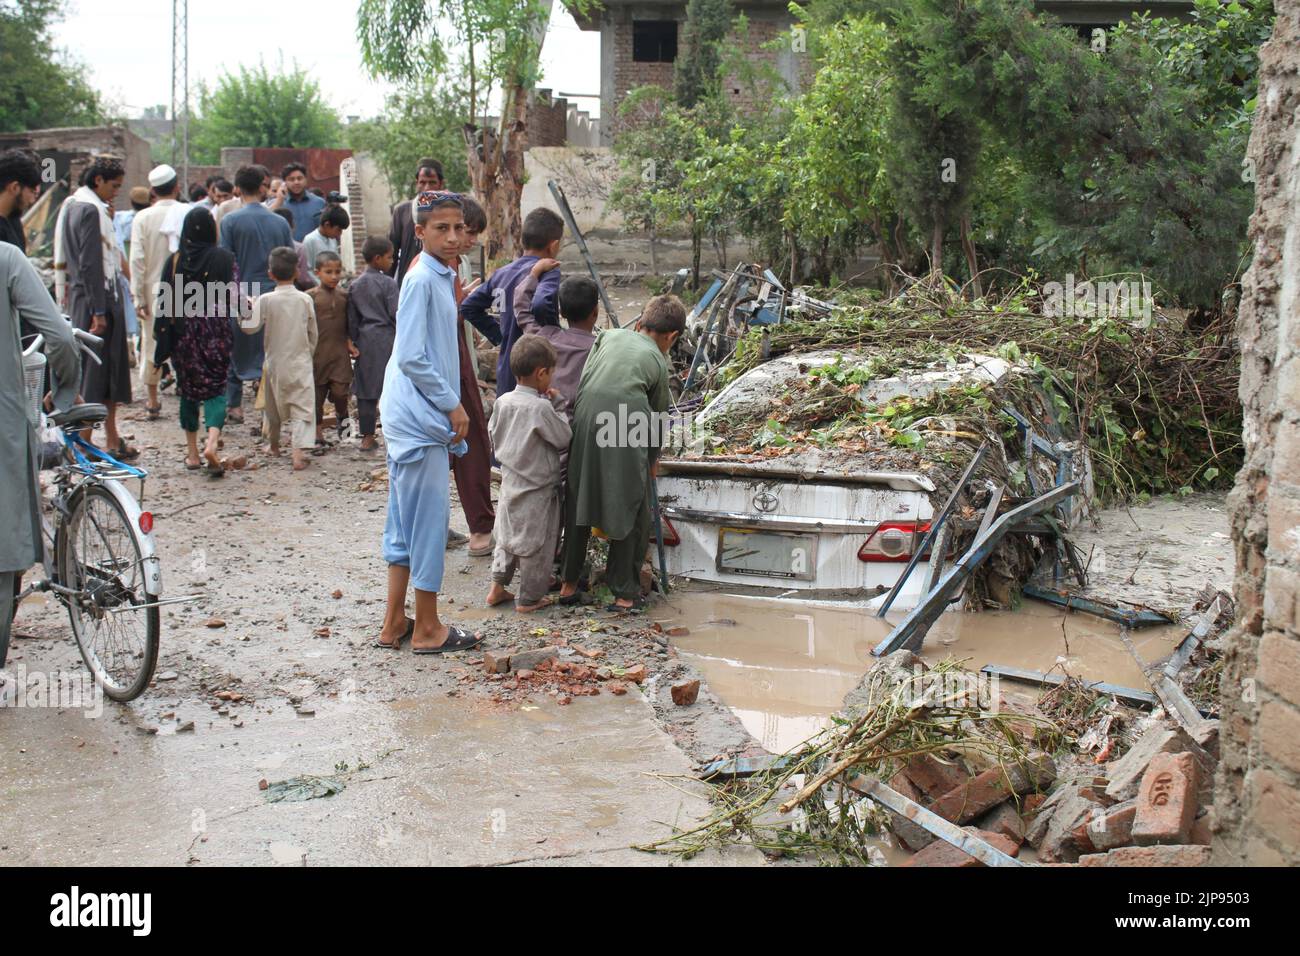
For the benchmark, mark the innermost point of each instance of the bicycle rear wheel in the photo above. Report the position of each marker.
(101, 559)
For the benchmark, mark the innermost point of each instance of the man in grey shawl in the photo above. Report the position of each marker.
(87, 264)
(23, 299)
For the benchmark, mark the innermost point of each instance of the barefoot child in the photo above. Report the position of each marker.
(625, 381)
(332, 360)
(424, 424)
(372, 324)
(290, 340)
(529, 434)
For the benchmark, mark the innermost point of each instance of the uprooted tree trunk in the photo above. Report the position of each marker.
(496, 168)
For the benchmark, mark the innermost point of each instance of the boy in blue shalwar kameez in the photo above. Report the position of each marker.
(424, 424)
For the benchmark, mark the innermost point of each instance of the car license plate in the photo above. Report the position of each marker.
(773, 554)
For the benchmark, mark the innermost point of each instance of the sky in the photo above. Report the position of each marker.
(126, 46)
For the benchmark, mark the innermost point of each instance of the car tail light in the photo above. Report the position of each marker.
(146, 521)
(671, 537)
(893, 541)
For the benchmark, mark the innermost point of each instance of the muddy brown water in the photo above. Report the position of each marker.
(784, 667)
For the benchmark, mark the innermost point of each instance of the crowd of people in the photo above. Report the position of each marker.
(280, 316)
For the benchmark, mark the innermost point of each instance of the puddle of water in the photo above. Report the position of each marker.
(784, 667)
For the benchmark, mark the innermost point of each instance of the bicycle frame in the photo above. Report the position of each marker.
(88, 461)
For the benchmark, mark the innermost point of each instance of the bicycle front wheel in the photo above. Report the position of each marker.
(101, 560)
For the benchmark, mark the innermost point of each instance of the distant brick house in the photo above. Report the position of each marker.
(639, 40)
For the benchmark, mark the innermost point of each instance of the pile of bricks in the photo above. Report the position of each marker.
(1148, 810)
(988, 802)
(561, 670)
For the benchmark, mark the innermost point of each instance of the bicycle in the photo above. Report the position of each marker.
(98, 552)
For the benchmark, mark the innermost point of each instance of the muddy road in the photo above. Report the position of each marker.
(269, 675)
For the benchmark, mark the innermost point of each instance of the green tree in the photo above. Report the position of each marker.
(40, 87)
(498, 44)
(416, 122)
(257, 108)
(699, 61)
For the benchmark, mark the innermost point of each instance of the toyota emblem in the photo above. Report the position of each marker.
(766, 502)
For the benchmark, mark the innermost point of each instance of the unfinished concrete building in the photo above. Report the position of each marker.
(639, 41)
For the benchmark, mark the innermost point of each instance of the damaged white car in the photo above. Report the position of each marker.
(818, 474)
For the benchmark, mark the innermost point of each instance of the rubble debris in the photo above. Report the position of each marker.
(986, 790)
(1126, 773)
(685, 693)
(1166, 802)
(297, 789)
(1150, 856)
(940, 853)
(1114, 827)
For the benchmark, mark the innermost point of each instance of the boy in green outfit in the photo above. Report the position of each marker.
(622, 397)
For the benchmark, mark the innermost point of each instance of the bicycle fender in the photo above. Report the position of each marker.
(151, 563)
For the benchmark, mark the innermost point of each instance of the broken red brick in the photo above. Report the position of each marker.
(589, 654)
(337, 593)
(496, 662)
(1113, 827)
(678, 631)
(1166, 801)
(1150, 856)
(934, 777)
(617, 688)
(636, 673)
(685, 693)
(1004, 819)
(943, 853)
(972, 798)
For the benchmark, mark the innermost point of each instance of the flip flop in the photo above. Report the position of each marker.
(189, 467)
(455, 539)
(457, 640)
(125, 452)
(217, 472)
(576, 598)
(410, 629)
(153, 411)
(635, 606)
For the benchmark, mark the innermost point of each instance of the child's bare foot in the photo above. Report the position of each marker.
(210, 455)
(272, 450)
(529, 608)
(498, 595)
(299, 459)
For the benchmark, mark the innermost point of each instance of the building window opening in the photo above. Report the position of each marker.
(654, 41)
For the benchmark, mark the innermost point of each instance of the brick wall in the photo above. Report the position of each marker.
(763, 28)
(1257, 799)
(547, 119)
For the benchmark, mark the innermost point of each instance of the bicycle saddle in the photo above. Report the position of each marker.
(87, 414)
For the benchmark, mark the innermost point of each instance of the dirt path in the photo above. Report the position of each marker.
(439, 762)
(455, 767)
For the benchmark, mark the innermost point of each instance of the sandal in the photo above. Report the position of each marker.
(125, 452)
(153, 411)
(576, 598)
(194, 467)
(457, 640)
(410, 629)
(215, 471)
(636, 606)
